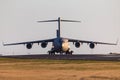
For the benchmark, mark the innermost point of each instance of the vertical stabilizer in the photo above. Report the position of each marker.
(58, 27)
(59, 20)
(57, 34)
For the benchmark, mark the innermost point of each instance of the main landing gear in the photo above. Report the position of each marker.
(51, 52)
(69, 52)
(61, 53)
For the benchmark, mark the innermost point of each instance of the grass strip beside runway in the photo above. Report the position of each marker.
(44, 69)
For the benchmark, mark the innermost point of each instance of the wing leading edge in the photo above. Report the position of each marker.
(85, 41)
(32, 42)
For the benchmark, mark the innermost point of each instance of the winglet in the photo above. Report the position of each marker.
(3, 43)
(117, 41)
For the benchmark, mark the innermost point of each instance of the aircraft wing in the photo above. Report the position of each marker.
(85, 41)
(37, 41)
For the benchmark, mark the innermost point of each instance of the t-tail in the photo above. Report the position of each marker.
(59, 20)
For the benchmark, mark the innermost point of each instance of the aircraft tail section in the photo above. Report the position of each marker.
(57, 33)
(59, 20)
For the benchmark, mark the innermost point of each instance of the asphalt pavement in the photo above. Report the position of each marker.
(100, 57)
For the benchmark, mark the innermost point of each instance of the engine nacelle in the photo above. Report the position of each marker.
(77, 44)
(92, 45)
(43, 44)
(28, 45)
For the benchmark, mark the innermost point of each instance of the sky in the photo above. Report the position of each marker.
(100, 21)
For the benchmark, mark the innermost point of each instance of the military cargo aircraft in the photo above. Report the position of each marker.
(60, 44)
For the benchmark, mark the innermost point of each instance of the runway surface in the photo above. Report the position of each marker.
(100, 57)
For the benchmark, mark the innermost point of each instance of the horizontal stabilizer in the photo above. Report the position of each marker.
(59, 20)
(70, 21)
(48, 21)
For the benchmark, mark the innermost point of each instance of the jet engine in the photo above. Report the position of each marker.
(77, 44)
(43, 44)
(92, 45)
(28, 45)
